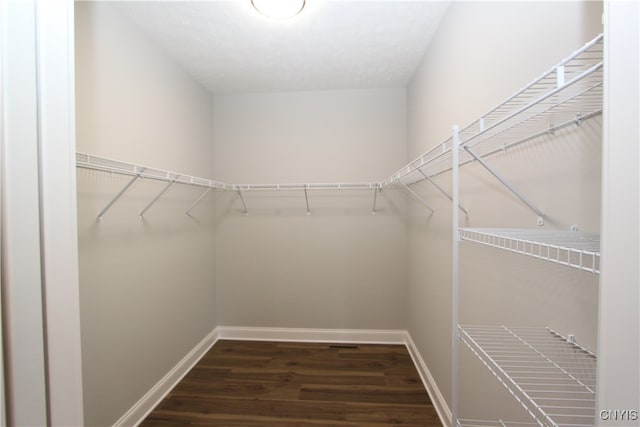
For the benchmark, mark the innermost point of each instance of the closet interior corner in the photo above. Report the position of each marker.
(237, 201)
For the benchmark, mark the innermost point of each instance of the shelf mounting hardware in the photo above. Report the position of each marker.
(417, 196)
(164, 190)
(197, 202)
(306, 198)
(560, 76)
(375, 199)
(115, 199)
(510, 187)
(244, 204)
(432, 182)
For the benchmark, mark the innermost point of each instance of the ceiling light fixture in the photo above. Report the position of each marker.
(278, 9)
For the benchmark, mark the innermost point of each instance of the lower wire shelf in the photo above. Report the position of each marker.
(552, 378)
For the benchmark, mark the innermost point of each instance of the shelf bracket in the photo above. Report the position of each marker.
(164, 190)
(443, 192)
(417, 196)
(375, 199)
(510, 187)
(306, 198)
(197, 202)
(115, 199)
(246, 211)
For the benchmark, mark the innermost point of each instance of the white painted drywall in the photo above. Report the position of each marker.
(619, 339)
(340, 267)
(147, 287)
(483, 52)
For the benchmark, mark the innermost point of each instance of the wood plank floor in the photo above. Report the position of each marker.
(261, 384)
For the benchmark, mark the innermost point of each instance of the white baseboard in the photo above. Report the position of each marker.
(362, 336)
(439, 403)
(153, 397)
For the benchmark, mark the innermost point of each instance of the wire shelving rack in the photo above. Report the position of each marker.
(552, 378)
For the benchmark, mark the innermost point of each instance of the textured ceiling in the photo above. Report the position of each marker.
(332, 44)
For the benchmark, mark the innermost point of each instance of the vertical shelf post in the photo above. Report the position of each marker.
(455, 224)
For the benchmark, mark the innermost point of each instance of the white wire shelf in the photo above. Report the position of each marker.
(498, 423)
(553, 379)
(89, 161)
(568, 92)
(433, 162)
(570, 248)
(565, 96)
(310, 186)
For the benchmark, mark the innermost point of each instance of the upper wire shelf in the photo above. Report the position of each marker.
(431, 163)
(569, 91)
(566, 95)
(311, 186)
(570, 248)
(552, 378)
(89, 161)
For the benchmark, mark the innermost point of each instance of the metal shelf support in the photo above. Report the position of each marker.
(164, 190)
(447, 195)
(375, 199)
(115, 199)
(197, 202)
(506, 183)
(417, 196)
(246, 211)
(306, 198)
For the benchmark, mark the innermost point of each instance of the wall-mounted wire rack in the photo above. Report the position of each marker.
(568, 92)
(89, 161)
(552, 378)
(570, 248)
(565, 96)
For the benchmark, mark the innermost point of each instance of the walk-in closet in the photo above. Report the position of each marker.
(349, 213)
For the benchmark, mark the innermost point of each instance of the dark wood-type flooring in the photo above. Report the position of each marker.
(260, 384)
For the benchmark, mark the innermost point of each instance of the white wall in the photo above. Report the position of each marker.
(483, 52)
(147, 287)
(339, 267)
